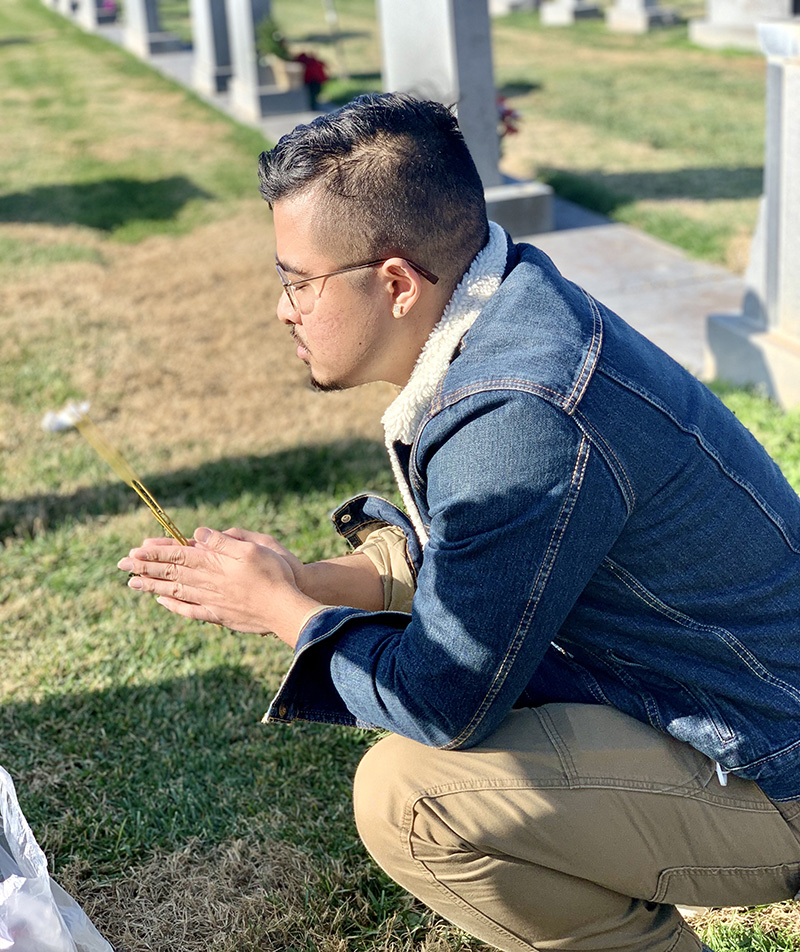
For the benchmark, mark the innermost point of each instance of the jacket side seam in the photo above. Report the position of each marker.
(711, 451)
(614, 463)
(733, 643)
(542, 577)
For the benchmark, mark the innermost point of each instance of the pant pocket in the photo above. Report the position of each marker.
(727, 886)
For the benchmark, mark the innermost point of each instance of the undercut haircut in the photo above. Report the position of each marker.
(392, 175)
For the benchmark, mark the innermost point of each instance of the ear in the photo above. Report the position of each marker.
(403, 285)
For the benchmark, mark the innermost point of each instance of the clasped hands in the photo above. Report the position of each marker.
(246, 581)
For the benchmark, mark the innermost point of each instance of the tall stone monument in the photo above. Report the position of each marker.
(87, 14)
(253, 89)
(761, 346)
(211, 66)
(442, 50)
(144, 35)
(734, 23)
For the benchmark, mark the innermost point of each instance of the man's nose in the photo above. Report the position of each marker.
(286, 313)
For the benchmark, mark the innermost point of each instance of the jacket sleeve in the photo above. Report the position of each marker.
(521, 512)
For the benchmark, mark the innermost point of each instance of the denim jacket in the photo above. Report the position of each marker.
(601, 529)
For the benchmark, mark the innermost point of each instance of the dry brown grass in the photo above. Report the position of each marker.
(176, 344)
(780, 916)
(240, 896)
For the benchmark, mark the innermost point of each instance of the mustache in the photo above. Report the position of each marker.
(296, 337)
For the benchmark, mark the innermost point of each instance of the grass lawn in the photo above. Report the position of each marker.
(136, 272)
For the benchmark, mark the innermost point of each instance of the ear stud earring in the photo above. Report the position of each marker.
(397, 311)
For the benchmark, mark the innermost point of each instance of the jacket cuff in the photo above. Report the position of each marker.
(356, 519)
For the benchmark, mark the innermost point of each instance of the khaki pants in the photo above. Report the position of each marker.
(573, 827)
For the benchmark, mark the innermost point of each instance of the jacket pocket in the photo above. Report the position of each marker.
(682, 695)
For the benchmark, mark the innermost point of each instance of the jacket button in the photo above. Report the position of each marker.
(346, 518)
(282, 710)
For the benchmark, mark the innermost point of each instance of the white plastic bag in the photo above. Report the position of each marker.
(36, 914)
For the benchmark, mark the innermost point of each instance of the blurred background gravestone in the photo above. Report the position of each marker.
(211, 66)
(254, 89)
(761, 346)
(734, 23)
(442, 50)
(499, 8)
(88, 14)
(566, 12)
(144, 35)
(637, 16)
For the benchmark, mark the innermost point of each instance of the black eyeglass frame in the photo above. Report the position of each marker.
(290, 286)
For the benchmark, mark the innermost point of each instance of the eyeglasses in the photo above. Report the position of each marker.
(292, 287)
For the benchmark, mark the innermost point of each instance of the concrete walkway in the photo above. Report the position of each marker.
(654, 286)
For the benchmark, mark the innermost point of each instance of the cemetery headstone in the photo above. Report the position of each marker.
(762, 344)
(637, 16)
(441, 50)
(499, 8)
(734, 23)
(253, 88)
(143, 33)
(211, 67)
(566, 12)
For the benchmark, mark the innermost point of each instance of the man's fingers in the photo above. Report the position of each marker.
(187, 609)
(168, 588)
(174, 553)
(246, 535)
(162, 570)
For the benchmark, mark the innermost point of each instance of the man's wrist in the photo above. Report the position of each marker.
(350, 580)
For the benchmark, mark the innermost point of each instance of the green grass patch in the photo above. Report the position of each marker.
(17, 253)
(93, 137)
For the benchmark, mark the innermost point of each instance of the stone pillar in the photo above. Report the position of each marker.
(143, 33)
(637, 16)
(254, 93)
(86, 14)
(762, 345)
(734, 23)
(566, 12)
(211, 67)
(442, 50)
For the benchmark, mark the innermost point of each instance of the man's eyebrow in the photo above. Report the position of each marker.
(290, 270)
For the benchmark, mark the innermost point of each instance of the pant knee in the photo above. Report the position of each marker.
(380, 798)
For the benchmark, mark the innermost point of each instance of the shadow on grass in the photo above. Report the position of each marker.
(605, 192)
(106, 204)
(518, 87)
(338, 468)
(106, 777)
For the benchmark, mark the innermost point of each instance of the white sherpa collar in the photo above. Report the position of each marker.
(404, 414)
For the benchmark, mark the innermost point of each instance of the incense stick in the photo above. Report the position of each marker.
(122, 468)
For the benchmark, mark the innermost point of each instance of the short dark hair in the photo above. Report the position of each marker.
(395, 176)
